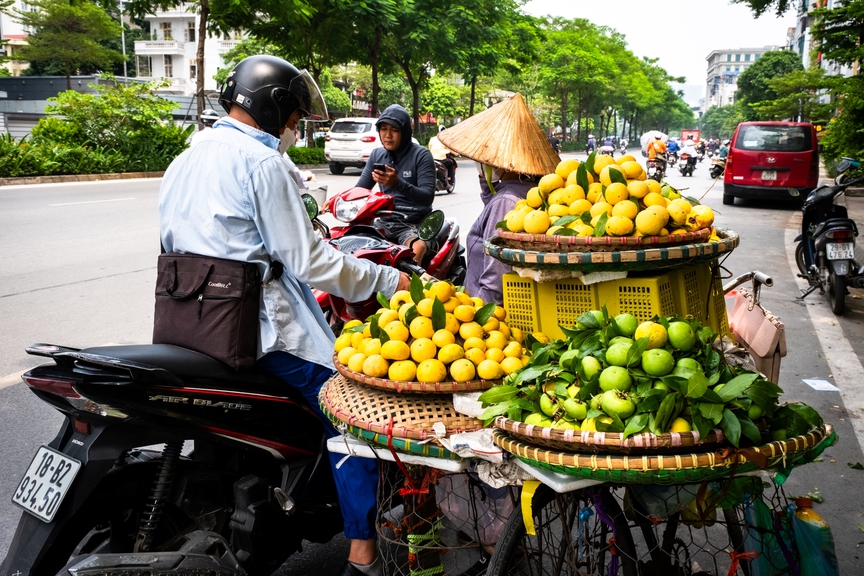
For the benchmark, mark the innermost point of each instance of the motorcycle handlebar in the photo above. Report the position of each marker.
(411, 267)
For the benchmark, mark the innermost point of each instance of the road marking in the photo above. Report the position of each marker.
(93, 202)
(844, 364)
(11, 379)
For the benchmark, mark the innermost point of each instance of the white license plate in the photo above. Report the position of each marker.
(841, 251)
(46, 483)
(769, 175)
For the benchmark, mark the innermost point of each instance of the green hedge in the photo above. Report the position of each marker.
(307, 155)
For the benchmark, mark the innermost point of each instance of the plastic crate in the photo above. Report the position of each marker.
(644, 297)
(698, 293)
(521, 302)
(562, 302)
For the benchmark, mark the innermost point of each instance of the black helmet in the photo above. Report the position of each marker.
(270, 90)
(209, 117)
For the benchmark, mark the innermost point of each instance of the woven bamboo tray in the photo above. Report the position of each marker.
(397, 415)
(616, 261)
(605, 442)
(446, 387)
(558, 243)
(668, 469)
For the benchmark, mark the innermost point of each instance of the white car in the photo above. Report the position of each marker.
(349, 143)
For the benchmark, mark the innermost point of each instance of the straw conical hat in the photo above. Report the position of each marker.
(505, 136)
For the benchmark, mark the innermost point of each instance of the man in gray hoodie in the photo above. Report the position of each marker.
(409, 176)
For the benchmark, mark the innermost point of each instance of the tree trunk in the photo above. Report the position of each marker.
(473, 92)
(563, 113)
(415, 94)
(376, 87)
(204, 13)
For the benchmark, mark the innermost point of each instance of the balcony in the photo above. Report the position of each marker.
(159, 47)
(223, 46)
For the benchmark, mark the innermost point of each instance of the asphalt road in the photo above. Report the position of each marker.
(79, 265)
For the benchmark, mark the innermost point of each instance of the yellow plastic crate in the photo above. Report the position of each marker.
(700, 294)
(643, 297)
(562, 302)
(521, 303)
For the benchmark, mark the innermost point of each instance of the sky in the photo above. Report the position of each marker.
(681, 33)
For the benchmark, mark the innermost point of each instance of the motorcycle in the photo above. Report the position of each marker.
(687, 164)
(623, 147)
(825, 254)
(655, 168)
(718, 166)
(673, 158)
(364, 237)
(607, 151)
(442, 181)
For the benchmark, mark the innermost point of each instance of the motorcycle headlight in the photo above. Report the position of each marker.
(346, 211)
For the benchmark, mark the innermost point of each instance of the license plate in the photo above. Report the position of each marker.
(841, 251)
(769, 175)
(46, 483)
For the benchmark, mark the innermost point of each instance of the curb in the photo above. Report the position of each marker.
(78, 178)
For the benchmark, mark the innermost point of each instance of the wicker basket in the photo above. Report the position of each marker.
(446, 387)
(605, 442)
(397, 415)
(615, 261)
(668, 469)
(558, 243)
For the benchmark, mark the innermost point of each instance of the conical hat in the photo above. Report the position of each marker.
(505, 136)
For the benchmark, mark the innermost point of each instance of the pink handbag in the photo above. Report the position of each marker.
(758, 331)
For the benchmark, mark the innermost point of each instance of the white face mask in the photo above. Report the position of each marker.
(286, 140)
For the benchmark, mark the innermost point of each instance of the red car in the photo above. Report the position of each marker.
(767, 158)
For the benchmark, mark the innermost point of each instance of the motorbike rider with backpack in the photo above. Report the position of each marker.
(409, 176)
(248, 208)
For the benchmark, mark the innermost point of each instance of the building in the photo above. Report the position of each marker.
(171, 53)
(15, 36)
(801, 40)
(724, 67)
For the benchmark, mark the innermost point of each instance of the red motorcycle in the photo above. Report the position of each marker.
(363, 237)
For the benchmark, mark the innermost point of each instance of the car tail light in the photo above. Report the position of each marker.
(814, 168)
(54, 386)
(367, 139)
(327, 138)
(840, 235)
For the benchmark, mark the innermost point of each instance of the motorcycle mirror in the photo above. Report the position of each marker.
(843, 165)
(311, 205)
(793, 192)
(431, 225)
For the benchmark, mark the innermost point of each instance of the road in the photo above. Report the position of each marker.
(79, 265)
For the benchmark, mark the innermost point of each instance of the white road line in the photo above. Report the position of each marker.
(844, 363)
(92, 202)
(11, 379)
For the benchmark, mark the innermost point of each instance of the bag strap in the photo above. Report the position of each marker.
(200, 280)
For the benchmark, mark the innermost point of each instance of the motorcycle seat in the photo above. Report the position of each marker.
(836, 223)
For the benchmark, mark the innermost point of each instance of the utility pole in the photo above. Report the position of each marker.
(123, 43)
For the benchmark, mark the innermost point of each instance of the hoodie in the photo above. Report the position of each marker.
(415, 168)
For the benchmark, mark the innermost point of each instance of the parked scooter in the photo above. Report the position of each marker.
(364, 237)
(826, 246)
(442, 182)
(687, 164)
(718, 166)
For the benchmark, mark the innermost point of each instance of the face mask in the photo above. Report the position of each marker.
(286, 140)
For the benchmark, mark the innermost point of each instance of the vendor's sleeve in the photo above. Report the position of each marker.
(490, 277)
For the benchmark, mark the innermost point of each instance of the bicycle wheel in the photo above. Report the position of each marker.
(578, 533)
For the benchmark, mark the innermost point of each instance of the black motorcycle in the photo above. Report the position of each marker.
(443, 181)
(256, 484)
(826, 246)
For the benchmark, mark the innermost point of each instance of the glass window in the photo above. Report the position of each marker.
(746, 57)
(728, 68)
(169, 66)
(774, 138)
(737, 68)
(167, 33)
(737, 57)
(728, 57)
(143, 65)
(757, 56)
(190, 32)
(351, 127)
(193, 70)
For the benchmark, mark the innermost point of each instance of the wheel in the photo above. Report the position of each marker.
(570, 538)
(728, 199)
(735, 527)
(836, 292)
(799, 258)
(451, 187)
(337, 169)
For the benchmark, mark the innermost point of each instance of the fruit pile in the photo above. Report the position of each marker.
(600, 197)
(429, 332)
(612, 375)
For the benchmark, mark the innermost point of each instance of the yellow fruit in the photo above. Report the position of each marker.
(423, 349)
(462, 370)
(537, 222)
(637, 189)
(355, 363)
(534, 199)
(367, 330)
(471, 330)
(513, 349)
(681, 231)
(619, 226)
(386, 317)
(653, 186)
(373, 347)
(656, 333)
(579, 206)
(549, 183)
(345, 354)
(404, 310)
(566, 167)
(495, 354)
(396, 330)
(606, 176)
(356, 339)
(595, 221)
(649, 223)
(616, 192)
(700, 217)
(511, 364)
(515, 221)
(601, 208)
(559, 210)
(505, 330)
(475, 355)
(443, 290)
(342, 342)
(654, 199)
(424, 307)
(421, 327)
(443, 337)
(478, 302)
(584, 230)
(395, 350)
(600, 162)
(626, 158)
(500, 313)
(399, 298)
(661, 212)
(431, 370)
(677, 214)
(496, 339)
(402, 371)
(464, 313)
(626, 209)
(490, 325)
(631, 168)
(375, 366)
(352, 324)
(516, 334)
(464, 298)
(572, 193)
(451, 304)
(450, 353)
(555, 197)
(541, 337)
(680, 425)
(525, 360)
(489, 370)
(519, 204)
(474, 342)
(595, 192)
(452, 324)
(572, 179)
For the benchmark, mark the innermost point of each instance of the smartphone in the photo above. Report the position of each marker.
(381, 167)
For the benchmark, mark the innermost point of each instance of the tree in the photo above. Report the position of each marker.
(840, 31)
(336, 99)
(721, 121)
(69, 33)
(753, 84)
(441, 99)
(760, 7)
(799, 97)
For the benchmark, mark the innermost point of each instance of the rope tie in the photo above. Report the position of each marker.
(402, 491)
(737, 557)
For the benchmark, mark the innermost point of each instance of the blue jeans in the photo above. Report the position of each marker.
(357, 478)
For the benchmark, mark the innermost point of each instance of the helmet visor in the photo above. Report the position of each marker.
(306, 91)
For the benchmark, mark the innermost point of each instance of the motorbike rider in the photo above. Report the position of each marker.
(657, 152)
(723, 151)
(689, 147)
(700, 147)
(672, 147)
(443, 155)
(232, 196)
(591, 145)
(555, 143)
(208, 118)
(409, 177)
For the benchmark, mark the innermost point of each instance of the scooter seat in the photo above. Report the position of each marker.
(836, 223)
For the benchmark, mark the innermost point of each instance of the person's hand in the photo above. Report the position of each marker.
(386, 178)
(404, 282)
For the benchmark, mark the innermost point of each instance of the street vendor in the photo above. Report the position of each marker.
(490, 138)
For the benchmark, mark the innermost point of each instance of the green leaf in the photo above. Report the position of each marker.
(585, 217)
(731, 427)
(494, 410)
(764, 394)
(635, 425)
(712, 412)
(697, 384)
(651, 401)
(532, 373)
(702, 424)
(383, 336)
(589, 320)
(809, 415)
(374, 329)
(416, 288)
(383, 300)
(737, 386)
(355, 329)
(439, 315)
(856, 466)
(711, 396)
(564, 232)
(410, 314)
(498, 394)
(749, 429)
(634, 355)
(600, 229)
(582, 177)
(502, 225)
(564, 220)
(617, 176)
(484, 313)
